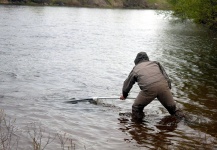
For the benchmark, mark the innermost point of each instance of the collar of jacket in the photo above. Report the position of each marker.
(142, 61)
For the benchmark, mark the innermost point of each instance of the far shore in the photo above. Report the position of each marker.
(148, 5)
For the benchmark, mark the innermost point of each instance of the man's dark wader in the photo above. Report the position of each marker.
(159, 90)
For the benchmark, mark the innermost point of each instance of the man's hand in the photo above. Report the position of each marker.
(122, 97)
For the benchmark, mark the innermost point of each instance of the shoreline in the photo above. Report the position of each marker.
(151, 6)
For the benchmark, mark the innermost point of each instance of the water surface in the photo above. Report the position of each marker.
(49, 55)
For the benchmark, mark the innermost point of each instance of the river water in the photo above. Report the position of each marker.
(49, 55)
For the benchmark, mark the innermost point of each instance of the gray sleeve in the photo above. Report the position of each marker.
(165, 74)
(128, 84)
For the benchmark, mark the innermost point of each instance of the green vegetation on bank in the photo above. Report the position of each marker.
(200, 11)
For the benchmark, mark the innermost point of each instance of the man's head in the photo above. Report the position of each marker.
(142, 56)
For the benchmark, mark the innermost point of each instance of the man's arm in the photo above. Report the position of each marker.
(165, 74)
(128, 84)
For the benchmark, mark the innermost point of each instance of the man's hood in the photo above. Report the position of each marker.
(142, 56)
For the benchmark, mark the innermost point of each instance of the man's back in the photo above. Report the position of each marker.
(148, 72)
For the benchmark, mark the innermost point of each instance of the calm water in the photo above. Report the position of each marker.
(49, 55)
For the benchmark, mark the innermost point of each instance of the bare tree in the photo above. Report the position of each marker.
(8, 138)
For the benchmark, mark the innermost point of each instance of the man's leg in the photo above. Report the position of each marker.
(166, 99)
(137, 113)
(142, 100)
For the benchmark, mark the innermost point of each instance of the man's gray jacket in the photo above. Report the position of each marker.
(145, 73)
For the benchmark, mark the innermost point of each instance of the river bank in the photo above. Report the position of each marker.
(134, 4)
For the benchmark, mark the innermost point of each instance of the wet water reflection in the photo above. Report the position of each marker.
(163, 133)
(151, 137)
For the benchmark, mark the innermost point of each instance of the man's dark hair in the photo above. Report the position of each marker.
(142, 56)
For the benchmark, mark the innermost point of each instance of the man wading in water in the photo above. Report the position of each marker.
(153, 82)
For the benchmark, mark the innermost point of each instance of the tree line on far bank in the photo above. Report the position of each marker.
(200, 11)
(88, 3)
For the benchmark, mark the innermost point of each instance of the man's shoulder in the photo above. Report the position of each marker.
(155, 61)
(144, 64)
(149, 62)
